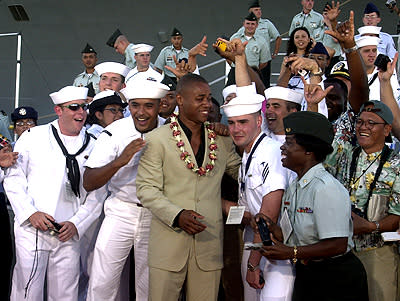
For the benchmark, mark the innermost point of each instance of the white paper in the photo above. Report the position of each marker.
(390, 236)
(235, 215)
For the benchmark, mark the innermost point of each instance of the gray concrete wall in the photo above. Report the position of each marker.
(58, 30)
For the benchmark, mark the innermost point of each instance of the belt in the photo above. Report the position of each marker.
(329, 260)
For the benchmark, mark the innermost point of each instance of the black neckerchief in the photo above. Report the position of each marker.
(201, 151)
(72, 165)
(386, 151)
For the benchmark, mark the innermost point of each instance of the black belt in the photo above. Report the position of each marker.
(330, 260)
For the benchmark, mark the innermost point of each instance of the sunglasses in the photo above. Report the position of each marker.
(22, 123)
(76, 106)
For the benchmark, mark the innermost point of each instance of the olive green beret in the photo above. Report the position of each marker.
(309, 123)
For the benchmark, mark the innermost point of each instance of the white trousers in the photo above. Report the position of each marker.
(125, 225)
(57, 261)
(279, 280)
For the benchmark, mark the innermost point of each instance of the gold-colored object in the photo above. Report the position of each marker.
(221, 45)
(294, 254)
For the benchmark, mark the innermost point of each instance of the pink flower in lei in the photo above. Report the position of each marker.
(185, 156)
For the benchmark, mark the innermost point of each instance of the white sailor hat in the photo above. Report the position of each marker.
(138, 48)
(144, 89)
(365, 30)
(69, 93)
(112, 67)
(136, 75)
(367, 41)
(284, 94)
(228, 90)
(243, 105)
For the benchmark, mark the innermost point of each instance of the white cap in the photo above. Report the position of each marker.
(112, 67)
(243, 105)
(369, 30)
(69, 93)
(144, 89)
(228, 90)
(103, 94)
(136, 75)
(284, 94)
(138, 48)
(367, 41)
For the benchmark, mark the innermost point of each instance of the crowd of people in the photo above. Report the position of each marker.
(146, 188)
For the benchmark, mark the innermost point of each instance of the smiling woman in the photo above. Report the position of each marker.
(316, 225)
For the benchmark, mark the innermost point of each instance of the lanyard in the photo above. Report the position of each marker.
(242, 185)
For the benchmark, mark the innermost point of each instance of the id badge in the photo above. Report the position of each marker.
(286, 225)
(235, 215)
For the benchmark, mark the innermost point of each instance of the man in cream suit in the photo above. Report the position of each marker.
(179, 180)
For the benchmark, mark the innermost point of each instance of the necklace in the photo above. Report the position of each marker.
(185, 156)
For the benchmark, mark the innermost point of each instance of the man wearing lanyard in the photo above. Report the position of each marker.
(262, 181)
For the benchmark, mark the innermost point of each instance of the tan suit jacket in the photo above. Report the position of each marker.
(166, 186)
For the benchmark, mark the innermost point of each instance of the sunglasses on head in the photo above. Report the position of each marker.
(76, 106)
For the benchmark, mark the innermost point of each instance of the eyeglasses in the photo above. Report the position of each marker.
(370, 16)
(115, 111)
(76, 106)
(318, 58)
(369, 124)
(22, 123)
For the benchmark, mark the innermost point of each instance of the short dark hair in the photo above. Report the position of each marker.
(320, 148)
(290, 105)
(188, 80)
(334, 80)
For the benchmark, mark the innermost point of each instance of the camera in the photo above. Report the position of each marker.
(221, 45)
(381, 62)
(55, 229)
(264, 232)
(390, 4)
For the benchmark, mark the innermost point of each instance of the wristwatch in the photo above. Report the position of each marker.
(377, 227)
(319, 73)
(252, 268)
(350, 50)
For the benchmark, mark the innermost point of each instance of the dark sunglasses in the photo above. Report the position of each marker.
(76, 106)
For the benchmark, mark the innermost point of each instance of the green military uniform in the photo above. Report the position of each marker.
(130, 56)
(266, 29)
(318, 208)
(313, 21)
(257, 51)
(166, 58)
(83, 79)
(329, 41)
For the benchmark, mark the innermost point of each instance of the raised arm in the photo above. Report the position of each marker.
(359, 92)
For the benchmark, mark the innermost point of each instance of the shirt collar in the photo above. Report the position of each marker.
(310, 174)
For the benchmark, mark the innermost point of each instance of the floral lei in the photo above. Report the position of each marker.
(185, 156)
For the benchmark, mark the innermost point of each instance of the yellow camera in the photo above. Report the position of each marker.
(221, 45)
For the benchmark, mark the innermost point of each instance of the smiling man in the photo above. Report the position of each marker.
(370, 174)
(126, 225)
(179, 180)
(44, 187)
(262, 183)
(280, 103)
(112, 76)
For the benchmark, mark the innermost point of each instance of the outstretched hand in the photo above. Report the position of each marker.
(344, 32)
(314, 93)
(181, 68)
